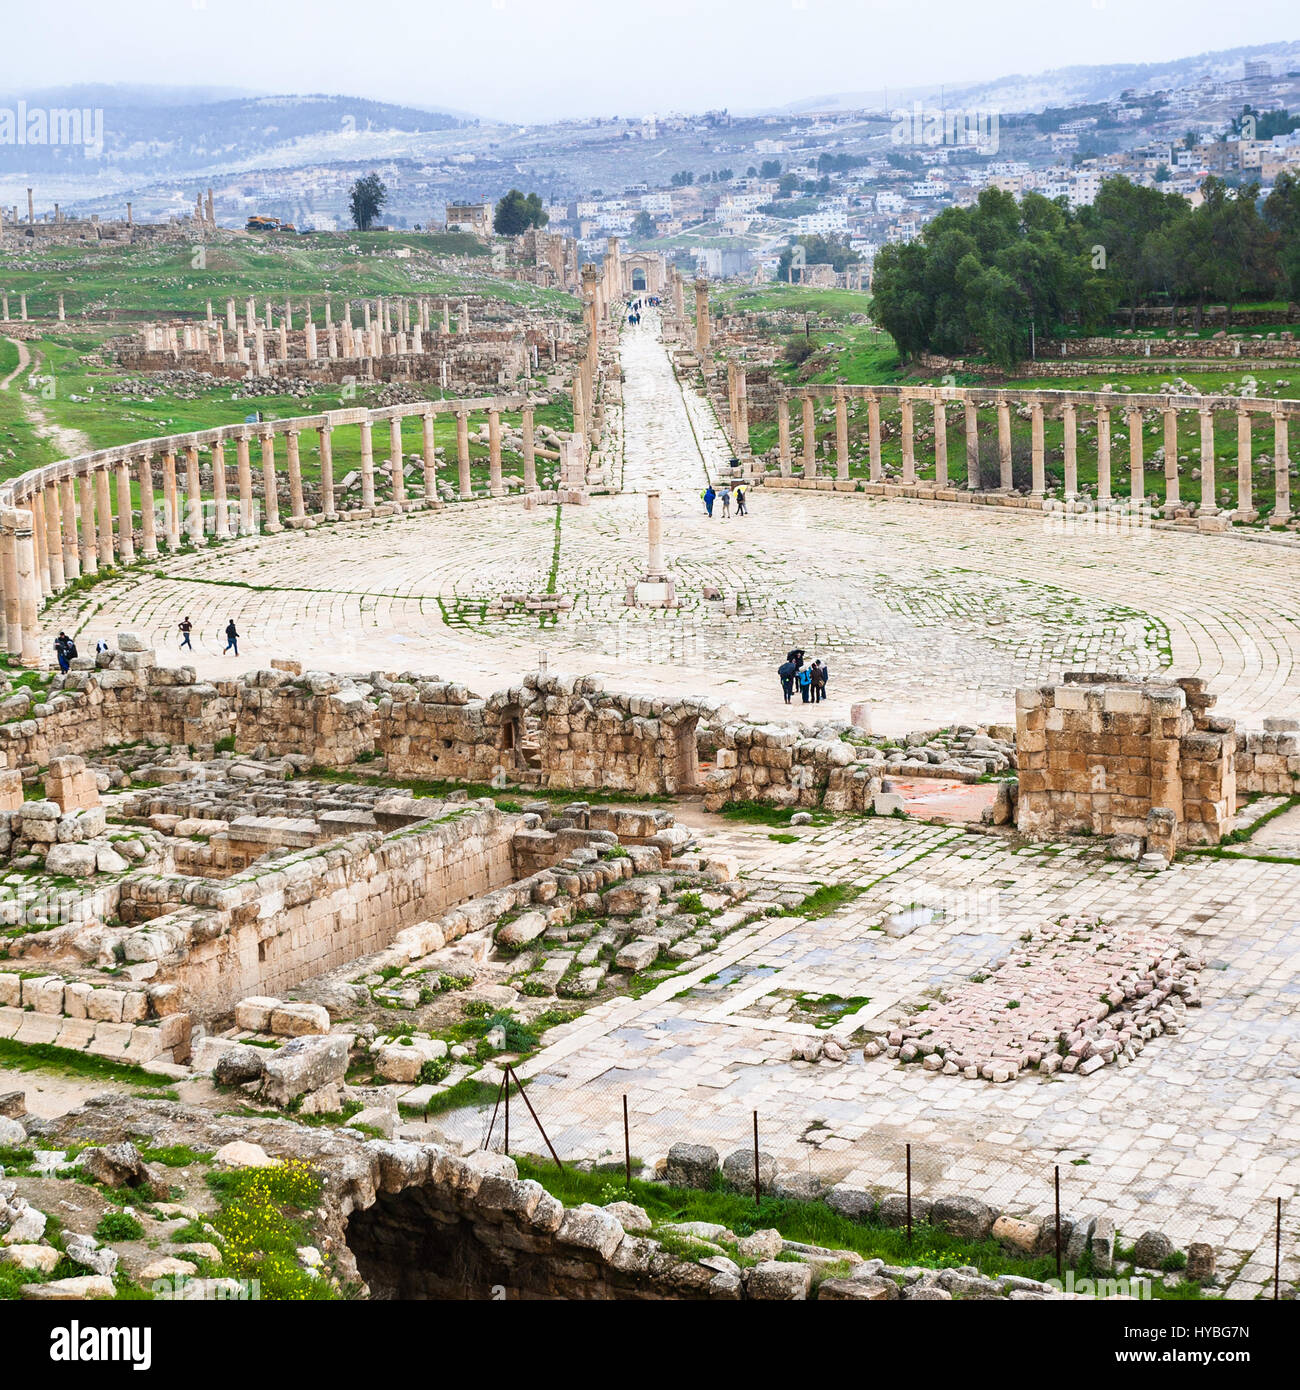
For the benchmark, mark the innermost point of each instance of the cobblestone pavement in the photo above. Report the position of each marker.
(933, 613)
(1198, 1136)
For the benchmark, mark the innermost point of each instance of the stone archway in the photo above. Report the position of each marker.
(638, 280)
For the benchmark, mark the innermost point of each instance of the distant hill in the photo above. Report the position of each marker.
(1065, 86)
(160, 131)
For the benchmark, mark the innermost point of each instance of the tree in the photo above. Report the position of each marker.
(818, 250)
(1282, 215)
(514, 214)
(366, 200)
(683, 178)
(770, 169)
(643, 225)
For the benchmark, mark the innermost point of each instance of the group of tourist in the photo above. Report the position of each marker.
(724, 499)
(185, 627)
(809, 680)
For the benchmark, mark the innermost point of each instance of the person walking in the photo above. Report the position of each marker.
(818, 674)
(709, 497)
(787, 671)
(805, 683)
(232, 638)
(186, 627)
(826, 676)
(61, 644)
(726, 501)
(741, 508)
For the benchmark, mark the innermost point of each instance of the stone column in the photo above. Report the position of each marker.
(972, 446)
(907, 432)
(495, 484)
(1245, 482)
(54, 537)
(841, 434)
(28, 588)
(9, 579)
(71, 554)
(297, 511)
(125, 514)
(1208, 503)
(1006, 480)
(530, 451)
(104, 516)
(742, 414)
(86, 505)
(1103, 453)
(270, 488)
(876, 465)
(193, 496)
(40, 535)
(244, 474)
(1171, 458)
(809, 437)
(1281, 470)
(324, 434)
(462, 451)
(221, 521)
(1070, 431)
(171, 511)
(1038, 484)
(783, 433)
(940, 444)
(148, 523)
(701, 318)
(395, 460)
(367, 466)
(656, 570)
(1137, 481)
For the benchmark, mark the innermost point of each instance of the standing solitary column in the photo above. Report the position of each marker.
(1006, 480)
(1137, 477)
(222, 520)
(940, 444)
(193, 496)
(907, 432)
(841, 435)
(297, 510)
(1245, 488)
(327, 473)
(654, 523)
(809, 437)
(104, 516)
(972, 447)
(429, 455)
(28, 588)
(1070, 433)
(148, 523)
(71, 555)
(1208, 505)
(742, 409)
(395, 459)
(1171, 458)
(244, 473)
(783, 433)
(495, 484)
(1103, 453)
(367, 466)
(876, 465)
(125, 514)
(9, 578)
(40, 540)
(462, 451)
(530, 451)
(270, 489)
(1281, 471)
(701, 318)
(1038, 482)
(171, 512)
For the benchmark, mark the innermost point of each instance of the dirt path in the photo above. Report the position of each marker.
(24, 361)
(68, 441)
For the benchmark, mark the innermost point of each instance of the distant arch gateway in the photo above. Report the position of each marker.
(643, 272)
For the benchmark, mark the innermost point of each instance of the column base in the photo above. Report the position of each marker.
(272, 528)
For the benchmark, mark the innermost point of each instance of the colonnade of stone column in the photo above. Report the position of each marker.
(78, 517)
(1098, 409)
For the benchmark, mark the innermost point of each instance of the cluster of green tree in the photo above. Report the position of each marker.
(1264, 125)
(770, 169)
(682, 179)
(369, 193)
(515, 213)
(988, 277)
(817, 250)
(839, 163)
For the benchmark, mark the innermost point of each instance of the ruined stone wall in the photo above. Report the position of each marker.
(1268, 761)
(1107, 757)
(316, 715)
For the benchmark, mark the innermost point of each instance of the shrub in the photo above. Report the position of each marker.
(118, 1225)
(433, 1071)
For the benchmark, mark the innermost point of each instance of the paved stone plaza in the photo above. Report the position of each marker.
(930, 612)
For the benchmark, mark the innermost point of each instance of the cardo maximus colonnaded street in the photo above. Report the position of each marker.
(500, 794)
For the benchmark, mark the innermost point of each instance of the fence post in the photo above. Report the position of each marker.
(506, 1147)
(758, 1191)
(909, 1194)
(1277, 1253)
(523, 1095)
(627, 1149)
(1058, 1220)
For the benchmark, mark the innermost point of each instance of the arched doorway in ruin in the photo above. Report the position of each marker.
(683, 761)
(638, 280)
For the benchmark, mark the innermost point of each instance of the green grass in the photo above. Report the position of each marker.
(759, 813)
(67, 1062)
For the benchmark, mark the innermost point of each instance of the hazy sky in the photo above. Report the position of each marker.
(535, 59)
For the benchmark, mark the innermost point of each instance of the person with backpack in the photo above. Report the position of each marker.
(818, 674)
(805, 683)
(709, 495)
(64, 650)
(787, 671)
